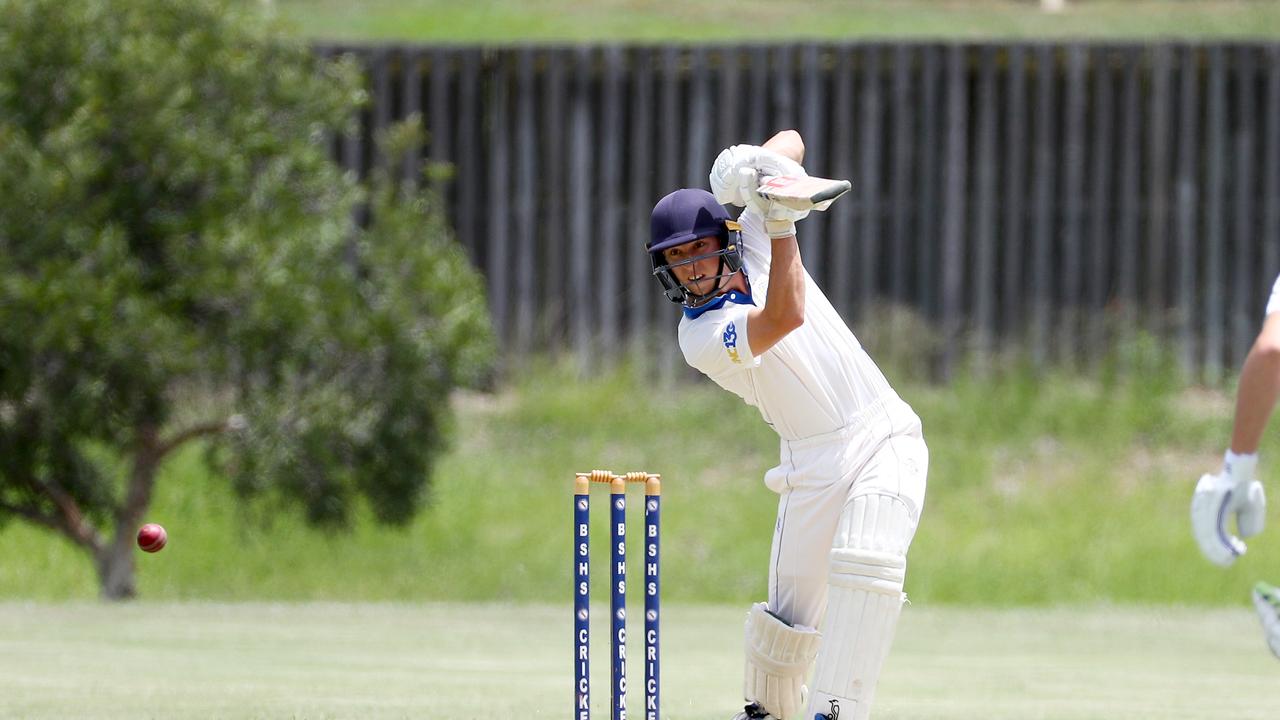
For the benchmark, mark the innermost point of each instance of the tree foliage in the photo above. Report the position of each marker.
(179, 259)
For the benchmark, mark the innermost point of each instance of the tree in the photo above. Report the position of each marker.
(179, 262)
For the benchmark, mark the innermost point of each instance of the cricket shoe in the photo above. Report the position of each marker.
(754, 712)
(1267, 601)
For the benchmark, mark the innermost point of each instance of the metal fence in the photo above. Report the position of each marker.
(1053, 197)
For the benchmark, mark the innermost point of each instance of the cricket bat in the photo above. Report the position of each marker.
(802, 192)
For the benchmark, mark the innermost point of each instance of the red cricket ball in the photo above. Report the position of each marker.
(152, 537)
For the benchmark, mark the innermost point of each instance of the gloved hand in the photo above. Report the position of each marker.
(1232, 493)
(725, 178)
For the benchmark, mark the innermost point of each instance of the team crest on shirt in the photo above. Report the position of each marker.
(730, 338)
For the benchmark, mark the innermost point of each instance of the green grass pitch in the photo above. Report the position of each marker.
(471, 661)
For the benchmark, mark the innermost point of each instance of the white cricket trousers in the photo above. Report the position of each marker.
(882, 452)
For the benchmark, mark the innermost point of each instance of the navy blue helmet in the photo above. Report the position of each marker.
(682, 216)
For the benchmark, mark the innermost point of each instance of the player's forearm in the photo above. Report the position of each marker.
(784, 303)
(787, 143)
(1258, 391)
(783, 309)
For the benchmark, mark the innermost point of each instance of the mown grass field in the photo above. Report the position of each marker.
(1043, 490)
(704, 21)
(484, 661)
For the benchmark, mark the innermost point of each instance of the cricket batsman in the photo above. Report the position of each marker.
(1235, 493)
(851, 477)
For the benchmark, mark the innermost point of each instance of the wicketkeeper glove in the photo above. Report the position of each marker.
(1232, 493)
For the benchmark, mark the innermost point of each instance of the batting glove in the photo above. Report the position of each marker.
(725, 179)
(1232, 493)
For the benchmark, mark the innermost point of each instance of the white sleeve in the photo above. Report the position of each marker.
(754, 238)
(1273, 304)
(756, 248)
(716, 343)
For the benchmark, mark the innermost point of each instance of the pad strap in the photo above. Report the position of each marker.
(778, 657)
(868, 570)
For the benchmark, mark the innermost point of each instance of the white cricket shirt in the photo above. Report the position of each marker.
(814, 381)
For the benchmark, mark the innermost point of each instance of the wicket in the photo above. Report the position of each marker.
(618, 576)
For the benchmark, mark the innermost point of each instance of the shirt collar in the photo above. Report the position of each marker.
(733, 296)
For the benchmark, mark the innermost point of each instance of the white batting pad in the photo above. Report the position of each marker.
(868, 566)
(778, 658)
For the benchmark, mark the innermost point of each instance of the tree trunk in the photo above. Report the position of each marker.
(116, 569)
(116, 576)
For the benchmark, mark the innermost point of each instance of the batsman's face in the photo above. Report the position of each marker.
(697, 273)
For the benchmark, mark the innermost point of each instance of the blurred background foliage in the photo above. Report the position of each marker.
(179, 259)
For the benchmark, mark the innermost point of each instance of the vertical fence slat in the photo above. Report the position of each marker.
(1043, 227)
(1215, 215)
(842, 237)
(954, 203)
(439, 127)
(869, 136)
(669, 125)
(1012, 224)
(1158, 121)
(581, 188)
(1271, 170)
(670, 137)
(411, 103)
(641, 286)
(1129, 210)
(1098, 279)
(782, 89)
(729, 101)
(697, 129)
(1243, 248)
(497, 262)
(611, 240)
(469, 164)
(813, 101)
(526, 169)
(696, 138)
(757, 111)
(1073, 206)
(380, 69)
(984, 207)
(553, 176)
(927, 234)
(904, 129)
(1188, 194)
